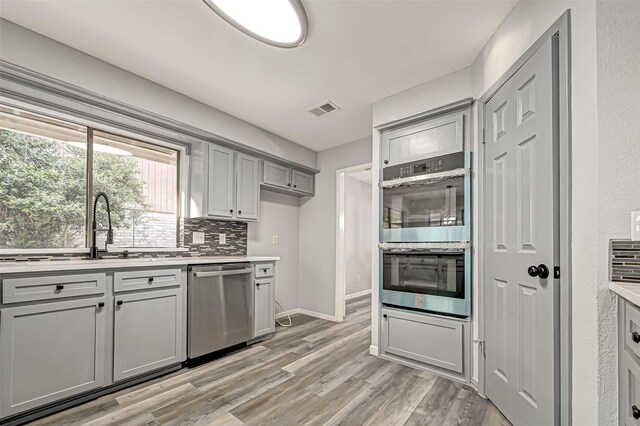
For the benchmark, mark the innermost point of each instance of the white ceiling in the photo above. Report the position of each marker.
(357, 52)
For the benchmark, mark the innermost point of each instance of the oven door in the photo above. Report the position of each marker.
(432, 280)
(429, 210)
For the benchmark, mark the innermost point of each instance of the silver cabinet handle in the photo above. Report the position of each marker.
(221, 273)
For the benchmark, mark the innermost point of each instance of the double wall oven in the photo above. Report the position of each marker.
(425, 235)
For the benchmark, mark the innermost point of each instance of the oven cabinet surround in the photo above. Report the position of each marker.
(429, 342)
(224, 184)
(278, 178)
(64, 334)
(432, 137)
(265, 299)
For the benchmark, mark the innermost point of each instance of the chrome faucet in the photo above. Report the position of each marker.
(94, 248)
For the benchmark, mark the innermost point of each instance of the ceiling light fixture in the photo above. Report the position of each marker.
(281, 23)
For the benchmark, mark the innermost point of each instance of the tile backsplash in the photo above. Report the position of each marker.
(235, 245)
(625, 261)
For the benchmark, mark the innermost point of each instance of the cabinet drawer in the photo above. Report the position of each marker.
(630, 396)
(263, 270)
(28, 289)
(145, 279)
(440, 343)
(632, 328)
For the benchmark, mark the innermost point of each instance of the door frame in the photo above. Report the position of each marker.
(341, 279)
(562, 29)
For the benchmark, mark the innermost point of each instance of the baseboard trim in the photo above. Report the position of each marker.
(309, 313)
(358, 294)
(373, 350)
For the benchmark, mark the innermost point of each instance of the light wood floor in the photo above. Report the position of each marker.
(314, 373)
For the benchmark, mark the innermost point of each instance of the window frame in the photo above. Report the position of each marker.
(182, 165)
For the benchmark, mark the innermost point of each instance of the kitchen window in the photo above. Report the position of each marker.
(49, 169)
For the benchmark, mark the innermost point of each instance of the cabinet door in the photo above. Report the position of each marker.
(630, 390)
(301, 182)
(247, 187)
(49, 352)
(431, 138)
(265, 307)
(440, 343)
(276, 175)
(220, 182)
(147, 332)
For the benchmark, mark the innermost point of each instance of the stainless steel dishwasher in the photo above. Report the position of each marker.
(220, 307)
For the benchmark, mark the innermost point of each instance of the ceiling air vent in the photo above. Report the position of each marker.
(324, 109)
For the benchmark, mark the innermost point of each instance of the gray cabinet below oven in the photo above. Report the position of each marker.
(426, 341)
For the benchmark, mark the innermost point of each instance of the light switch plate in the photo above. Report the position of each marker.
(274, 239)
(197, 238)
(635, 226)
(222, 238)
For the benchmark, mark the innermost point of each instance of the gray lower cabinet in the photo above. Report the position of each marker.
(264, 306)
(154, 316)
(50, 351)
(628, 362)
(426, 341)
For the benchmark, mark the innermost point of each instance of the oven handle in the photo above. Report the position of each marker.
(392, 247)
(424, 179)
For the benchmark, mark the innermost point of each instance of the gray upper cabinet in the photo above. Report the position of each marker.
(224, 184)
(220, 182)
(276, 175)
(282, 179)
(301, 182)
(50, 351)
(247, 187)
(430, 138)
(156, 315)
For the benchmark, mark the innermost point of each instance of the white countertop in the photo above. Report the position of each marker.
(628, 291)
(84, 265)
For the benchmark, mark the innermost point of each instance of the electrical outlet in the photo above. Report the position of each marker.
(222, 239)
(197, 238)
(635, 226)
(358, 278)
(274, 239)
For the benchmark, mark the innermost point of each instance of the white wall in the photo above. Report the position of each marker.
(279, 215)
(618, 180)
(318, 228)
(357, 223)
(28, 49)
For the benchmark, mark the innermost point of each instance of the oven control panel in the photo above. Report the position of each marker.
(423, 167)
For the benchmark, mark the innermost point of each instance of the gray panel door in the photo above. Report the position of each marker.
(430, 138)
(276, 175)
(50, 351)
(301, 182)
(220, 182)
(265, 307)
(247, 187)
(521, 231)
(151, 317)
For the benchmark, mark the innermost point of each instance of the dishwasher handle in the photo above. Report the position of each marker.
(221, 273)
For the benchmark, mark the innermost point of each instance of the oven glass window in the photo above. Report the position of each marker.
(425, 272)
(420, 206)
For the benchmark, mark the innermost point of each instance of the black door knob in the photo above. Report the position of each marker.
(239, 211)
(635, 337)
(538, 271)
(150, 280)
(119, 302)
(231, 211)
(635, 412)
(101, 305)
(386, 161)
(59, 287)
